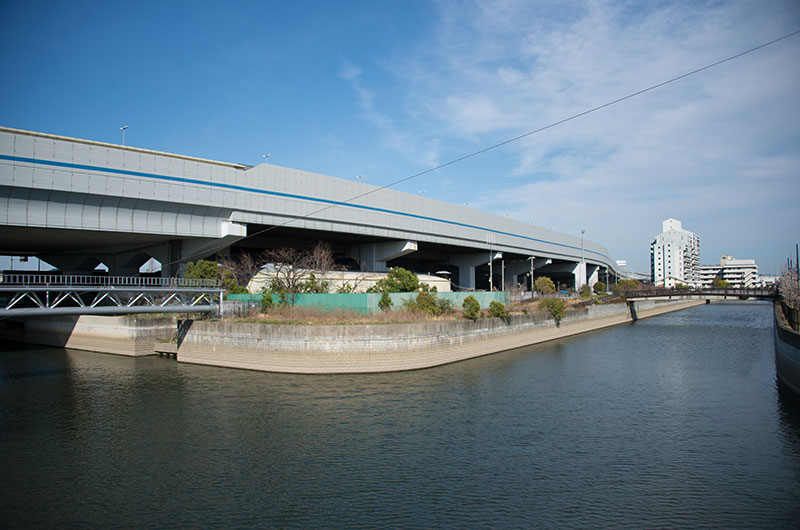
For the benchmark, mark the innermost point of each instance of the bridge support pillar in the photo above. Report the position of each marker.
(592, 274)
(579, 273)
(516, 273)
(466, 264)
(376, 255)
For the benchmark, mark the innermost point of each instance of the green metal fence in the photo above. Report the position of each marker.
(368, 302)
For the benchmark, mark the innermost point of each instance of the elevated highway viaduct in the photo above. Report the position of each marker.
(78, 203)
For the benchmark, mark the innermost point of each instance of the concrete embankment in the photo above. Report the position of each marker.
(106, 334)
(387, 348)
(787, 349)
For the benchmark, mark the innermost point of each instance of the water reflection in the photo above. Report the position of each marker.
(674, 421)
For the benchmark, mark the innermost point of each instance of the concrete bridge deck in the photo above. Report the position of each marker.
(78, 203)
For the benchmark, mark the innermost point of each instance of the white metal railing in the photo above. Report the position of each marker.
(31, 280)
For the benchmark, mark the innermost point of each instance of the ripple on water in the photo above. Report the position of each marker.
(671, 422)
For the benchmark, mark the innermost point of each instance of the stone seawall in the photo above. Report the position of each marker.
(106, 334)
(387, 348)
(787, 350)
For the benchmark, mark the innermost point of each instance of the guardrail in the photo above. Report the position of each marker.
(757, 292)
(33, 280)
(50, 294)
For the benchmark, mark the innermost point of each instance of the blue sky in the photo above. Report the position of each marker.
(386, 89)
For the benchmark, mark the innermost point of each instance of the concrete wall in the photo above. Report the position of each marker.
(787, 350)
(105, 334)
(384, 348)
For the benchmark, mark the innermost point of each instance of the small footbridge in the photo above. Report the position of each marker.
(758, 293)
(30, 295)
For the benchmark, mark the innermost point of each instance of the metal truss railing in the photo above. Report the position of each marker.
(103, 281)
(77, 296)
(752, 292)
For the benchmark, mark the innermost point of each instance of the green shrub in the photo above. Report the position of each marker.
(599, 288)
(719, 283)
(425, 302)
(202, 269)
(585, 291)
(266, 300)
(497, 310)
(209, 270)
(385, 302)
(556, 306)
(472, 309)
(623, 286)
(312, 285)
(397, 280)
(544, 285)
(345, 288)
(445, 306)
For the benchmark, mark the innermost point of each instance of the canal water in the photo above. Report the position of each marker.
(674, 421)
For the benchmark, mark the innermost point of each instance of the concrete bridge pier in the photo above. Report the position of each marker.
(376, 255)
(522, 271)
(516, 273)
(592, 274)
(466, 264)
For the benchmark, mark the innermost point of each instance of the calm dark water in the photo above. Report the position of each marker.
(671, 422)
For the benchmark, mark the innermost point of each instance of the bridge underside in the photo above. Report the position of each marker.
(81, 251)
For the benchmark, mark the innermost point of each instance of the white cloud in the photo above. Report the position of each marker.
(401, 141)
(716, 150)
(720, 145)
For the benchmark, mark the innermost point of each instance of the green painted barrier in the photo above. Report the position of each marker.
(368, 302)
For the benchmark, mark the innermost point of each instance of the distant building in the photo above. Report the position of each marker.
(765, 280)
(359, 282)
(739, 273)
(675, 256)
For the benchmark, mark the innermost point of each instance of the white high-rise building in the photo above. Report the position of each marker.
(675, 256)
(741, 273)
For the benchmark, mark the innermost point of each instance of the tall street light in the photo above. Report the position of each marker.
(266, 157)
(583, 264)
(123, 133)
(531, 260)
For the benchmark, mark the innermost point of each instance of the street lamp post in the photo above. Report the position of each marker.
(123, 133)
(583, 265)
(265, 157)
(491, 272)
(531, 260)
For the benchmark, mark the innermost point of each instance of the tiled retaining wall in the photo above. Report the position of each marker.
(384, 348)
(106, 334)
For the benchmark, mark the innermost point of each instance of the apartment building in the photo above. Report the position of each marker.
(739, 273)
(675, 256)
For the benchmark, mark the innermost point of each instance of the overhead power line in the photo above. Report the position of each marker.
(530, 133)
(518, 137)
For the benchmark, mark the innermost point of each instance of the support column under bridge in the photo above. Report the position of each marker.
(376, 255)
(466, 264)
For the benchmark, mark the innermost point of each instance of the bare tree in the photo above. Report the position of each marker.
(295, 271)
(245, 266)
(289, 271)
(789, 287)
(320, 259)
